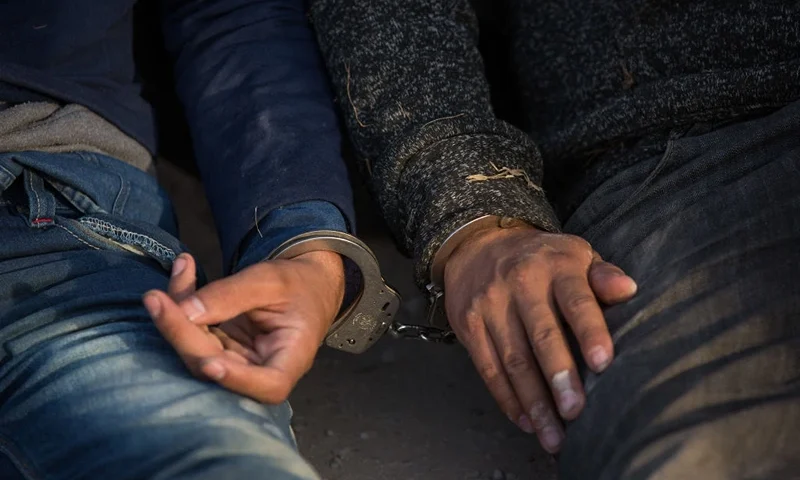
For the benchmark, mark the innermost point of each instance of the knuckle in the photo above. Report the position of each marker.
(473, 323)
(495, 293)
(523, 273)
(517, 364)
(579, 302)
(490, 374)
(519, 275)
(545, 336)
(579, 242)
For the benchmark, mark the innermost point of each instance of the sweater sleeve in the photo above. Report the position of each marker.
(410, 82)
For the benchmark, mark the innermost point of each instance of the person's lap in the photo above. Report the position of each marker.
(88, 388)
(705, 383)
(706, 380)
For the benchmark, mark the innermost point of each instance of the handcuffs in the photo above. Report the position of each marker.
(372, 313)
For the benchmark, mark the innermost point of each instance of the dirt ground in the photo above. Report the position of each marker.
(404, 410)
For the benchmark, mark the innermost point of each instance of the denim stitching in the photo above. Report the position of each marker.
(78, 199)
(38, 205)
(77, 237)
(122, 197)
(7, 171)
(121, 235)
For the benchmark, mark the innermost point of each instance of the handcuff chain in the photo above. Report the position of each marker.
(422, 332)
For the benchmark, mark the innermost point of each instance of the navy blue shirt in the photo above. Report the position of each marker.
(247, 72)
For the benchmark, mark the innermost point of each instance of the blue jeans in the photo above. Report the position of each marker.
(706, 381)
(88, 388)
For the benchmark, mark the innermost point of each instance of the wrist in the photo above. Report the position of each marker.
(327, 265)
(484, 237)
(478, 230)
(372, 312)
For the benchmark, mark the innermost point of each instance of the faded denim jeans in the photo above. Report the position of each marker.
(706, 380)
(88, 388)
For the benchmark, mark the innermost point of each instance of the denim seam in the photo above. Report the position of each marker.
(77, 237)
(23, 465)
(38, 204)
(122, 196)
(145, 242)
(82, 202)
(7, 171)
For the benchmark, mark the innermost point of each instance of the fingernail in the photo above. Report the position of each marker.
(568, 399)
(193, 308)
(632, 286)
(178, 266)
(213, 369)
(539, 414)
(525, 424)
(599, 358)
(551, 438)
(152, 304)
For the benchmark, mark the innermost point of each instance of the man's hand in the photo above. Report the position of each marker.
(509, 294)
(272, 318)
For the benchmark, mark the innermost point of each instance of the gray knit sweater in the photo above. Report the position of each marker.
(590, 74)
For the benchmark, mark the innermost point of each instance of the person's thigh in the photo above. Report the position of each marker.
(89, 389)
(706, 380)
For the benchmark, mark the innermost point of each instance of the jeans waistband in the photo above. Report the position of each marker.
(93, 184)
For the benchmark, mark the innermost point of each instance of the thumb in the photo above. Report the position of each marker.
(183, 280)
(610, 284)
(253, 288)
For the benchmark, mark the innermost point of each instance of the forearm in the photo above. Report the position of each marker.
(263, 124)
(409, 80)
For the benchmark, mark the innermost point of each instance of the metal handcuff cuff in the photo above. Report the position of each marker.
(372, 313)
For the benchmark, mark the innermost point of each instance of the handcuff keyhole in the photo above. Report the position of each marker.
(385, 306)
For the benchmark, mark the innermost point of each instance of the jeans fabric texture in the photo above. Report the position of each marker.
(706, 379)
(88, 387)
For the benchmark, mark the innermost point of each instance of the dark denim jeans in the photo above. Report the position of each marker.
(88, 388)
(706, 381)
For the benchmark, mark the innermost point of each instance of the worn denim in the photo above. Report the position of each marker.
(706, 380)
(88, 387)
